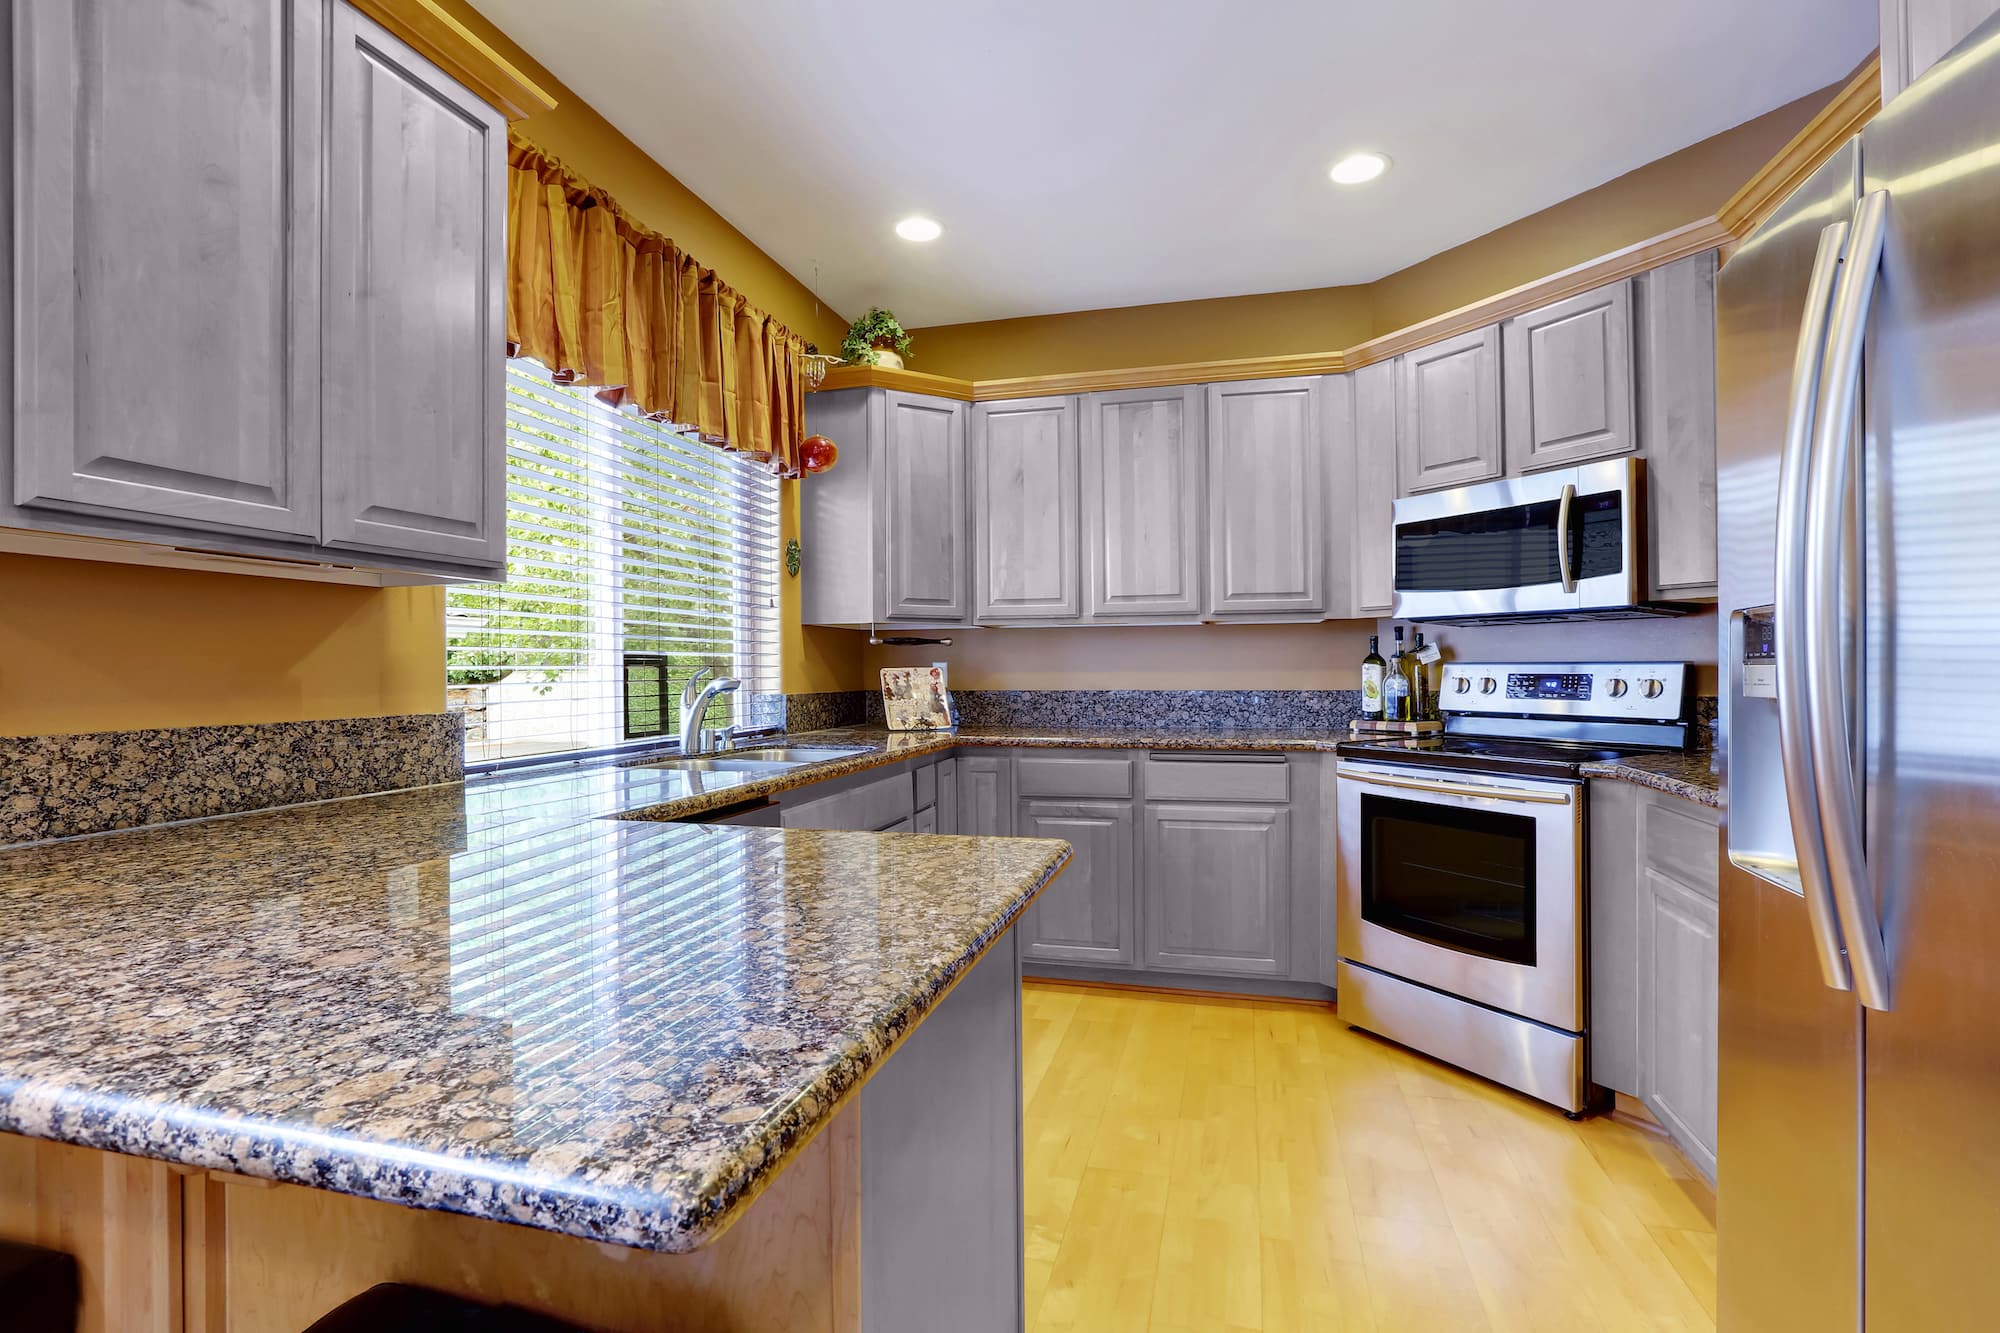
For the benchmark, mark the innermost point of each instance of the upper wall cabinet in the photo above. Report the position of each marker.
(1568, 371)
(1448, 426)
(1675, 321)
(258, 296)
(415, 373)
(886, 534)
(1373, 536)
(1266, 499)
(1143, 485)
(1024, 508)
(167, 208)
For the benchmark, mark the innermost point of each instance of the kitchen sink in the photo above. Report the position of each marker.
(772, 759)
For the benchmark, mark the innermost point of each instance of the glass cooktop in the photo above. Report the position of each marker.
(1491, 754)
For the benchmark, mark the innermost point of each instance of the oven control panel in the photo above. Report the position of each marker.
(1648, 691)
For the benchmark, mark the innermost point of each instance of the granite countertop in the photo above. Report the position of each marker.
(1687, 774)
(472, 999)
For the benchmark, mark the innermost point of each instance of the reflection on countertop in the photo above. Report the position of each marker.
(482, 1000)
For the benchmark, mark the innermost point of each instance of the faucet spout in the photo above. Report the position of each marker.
(692, 711)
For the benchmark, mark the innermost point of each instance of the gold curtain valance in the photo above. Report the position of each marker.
(602, 300)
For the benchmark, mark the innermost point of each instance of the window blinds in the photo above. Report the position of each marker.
(634, 557)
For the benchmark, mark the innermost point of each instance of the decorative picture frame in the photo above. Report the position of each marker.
(915, 699)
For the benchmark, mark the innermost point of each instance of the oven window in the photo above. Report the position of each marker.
(1461, 878)
(1514, 547)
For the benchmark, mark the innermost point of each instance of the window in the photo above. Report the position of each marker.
(634, 557)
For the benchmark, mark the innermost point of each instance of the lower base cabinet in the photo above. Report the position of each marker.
(1653, 958)
(986, 794)
(1087, 915)
(1219, 889)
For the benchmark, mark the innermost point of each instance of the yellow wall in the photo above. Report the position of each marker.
(95, 647)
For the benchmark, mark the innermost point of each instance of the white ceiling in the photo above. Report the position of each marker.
(1121, 152)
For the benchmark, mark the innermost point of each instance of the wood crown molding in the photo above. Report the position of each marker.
(459, 52)
(1852, 107)
(1856, 103)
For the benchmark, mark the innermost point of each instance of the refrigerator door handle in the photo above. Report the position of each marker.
(1829, 615)
(1794, 742)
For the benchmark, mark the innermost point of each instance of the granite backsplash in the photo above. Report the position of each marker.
(1172, 710)
(59, 786)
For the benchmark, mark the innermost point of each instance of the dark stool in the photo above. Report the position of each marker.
(394, 1307)
(39, 1290)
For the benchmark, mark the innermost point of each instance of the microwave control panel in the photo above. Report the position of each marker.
(1642, 691)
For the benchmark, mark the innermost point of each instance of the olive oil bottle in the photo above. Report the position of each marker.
(1372, 669)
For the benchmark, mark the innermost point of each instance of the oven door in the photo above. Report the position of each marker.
(1565, 540)
(1467, 883)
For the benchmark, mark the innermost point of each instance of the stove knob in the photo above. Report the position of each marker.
(1618, 687)
(1464, 684)
(1654, 688)
(1487, 684)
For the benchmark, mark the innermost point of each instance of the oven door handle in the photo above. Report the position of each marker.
(1562, 537)
(1456, 789)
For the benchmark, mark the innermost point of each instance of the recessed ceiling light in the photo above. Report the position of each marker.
(1358, 168)
(919, 228)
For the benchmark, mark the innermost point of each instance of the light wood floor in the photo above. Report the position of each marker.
(1234, 1164)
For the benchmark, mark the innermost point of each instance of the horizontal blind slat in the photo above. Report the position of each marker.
(624, 538)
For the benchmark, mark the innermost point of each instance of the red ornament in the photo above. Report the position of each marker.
(818, 453)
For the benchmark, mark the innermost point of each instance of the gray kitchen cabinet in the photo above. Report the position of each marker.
(869, 803)
(259, 295)
(1448, 430)
(947, 796)
(986, 794)
(924, 821)
(1371, 536)
(1143, 488)
(1917, 33)
(1088, 914)
(885, 533)
(168, 208)
(1675, 320)
(1653, 958)
(1266, 499)
(1567, 371)
(1026, 560)
(1678, 1000)
(415, 368)
(924, 552)
(1218, 888)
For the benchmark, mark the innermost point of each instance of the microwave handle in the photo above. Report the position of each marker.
(1562, 537)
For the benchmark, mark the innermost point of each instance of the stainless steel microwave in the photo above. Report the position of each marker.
(1567, 542)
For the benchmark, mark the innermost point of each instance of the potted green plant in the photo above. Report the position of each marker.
(876, 339)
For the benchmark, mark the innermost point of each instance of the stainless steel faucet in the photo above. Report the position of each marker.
(695, 699)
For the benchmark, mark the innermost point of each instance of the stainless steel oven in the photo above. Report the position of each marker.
(1461, 920)
(1558, 543)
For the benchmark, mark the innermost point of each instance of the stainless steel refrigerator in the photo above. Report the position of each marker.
(1858, 484)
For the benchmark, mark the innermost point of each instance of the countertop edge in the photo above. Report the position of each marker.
(293, 1154)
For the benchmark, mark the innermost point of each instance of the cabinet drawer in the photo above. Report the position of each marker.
(926, 786)
(884, 801)
(1680, 843)
(1218, 777)
(1072, 775)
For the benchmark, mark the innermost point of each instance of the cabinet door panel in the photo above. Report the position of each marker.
(1024, 506)
(947, 796)
(1086, 916)
(167, 167)
(1375, 489)
(986, 795)
(924, 511)
(1218, 888)
(1679, 984)
(1448, 422)
(1142, 502)
(1676, 327)
(415, 455)
(1569, 380)
(1266, 498)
